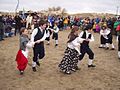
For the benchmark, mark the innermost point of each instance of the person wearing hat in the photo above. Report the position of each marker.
(72, 52)
(87, 37)
(38, 35)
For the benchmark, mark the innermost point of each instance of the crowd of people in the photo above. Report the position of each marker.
(40, 28)
(12, 24)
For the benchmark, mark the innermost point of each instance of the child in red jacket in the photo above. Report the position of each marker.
(22, 55)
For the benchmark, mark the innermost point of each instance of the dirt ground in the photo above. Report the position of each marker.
(106, 75)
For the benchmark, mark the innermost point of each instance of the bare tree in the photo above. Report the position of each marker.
(53, 9)
(49, 9)
(58, 8)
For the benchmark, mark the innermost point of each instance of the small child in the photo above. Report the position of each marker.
(55, 34)
(48, 33)
(106, 38)
(22, 55)
(102, 37)
(109, 40)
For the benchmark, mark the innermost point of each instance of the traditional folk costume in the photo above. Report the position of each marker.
(48, 33)
(71, 56)
(38, 49)
(22, 55)
(106, 39)
(55, 34)
(102, 38)
(84, 47)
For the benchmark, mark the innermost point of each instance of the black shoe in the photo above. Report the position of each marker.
(107, 48)
(2, 40)
(38, 63)
(21, 72)
(112, 49)
(48, 44)
(100, 47)
(91, 65)
(56, 45)
(34, 69)
(119, 58)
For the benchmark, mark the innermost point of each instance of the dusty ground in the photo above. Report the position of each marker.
(106, 76)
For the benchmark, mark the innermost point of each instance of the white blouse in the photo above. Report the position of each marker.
(75, 44)
(104, 33)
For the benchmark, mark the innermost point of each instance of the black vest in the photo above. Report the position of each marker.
(48, 30)
(85, 43)
(38, 36)
(84, 36)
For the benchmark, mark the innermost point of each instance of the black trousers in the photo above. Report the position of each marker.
(85, 49)
(102, 40)
(17, 29)
(55, 36)
(109, 40)
(38, 51)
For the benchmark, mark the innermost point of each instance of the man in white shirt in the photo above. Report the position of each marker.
(38, 36)
(87, 37)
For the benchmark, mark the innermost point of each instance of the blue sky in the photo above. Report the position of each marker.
(72, 6)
